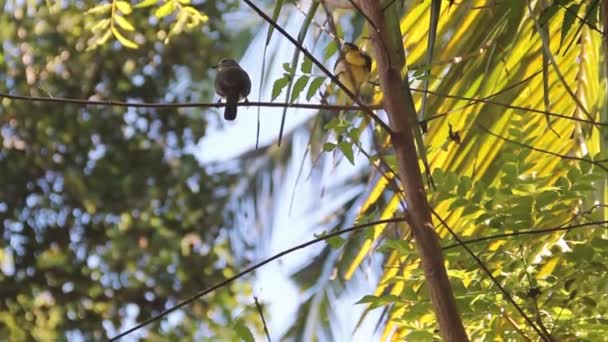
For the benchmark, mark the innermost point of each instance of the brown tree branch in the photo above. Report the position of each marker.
(319, 106)
(397, 101)
(83, 102)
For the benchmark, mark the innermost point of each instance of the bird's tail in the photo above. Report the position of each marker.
(230, 110)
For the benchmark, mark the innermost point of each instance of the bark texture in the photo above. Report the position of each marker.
(398, 104)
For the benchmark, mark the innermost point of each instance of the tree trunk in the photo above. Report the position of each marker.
(398, 104)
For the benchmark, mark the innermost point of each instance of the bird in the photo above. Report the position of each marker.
(232, 83)
(353, 68)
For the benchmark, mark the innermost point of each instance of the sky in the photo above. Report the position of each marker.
(272, 285)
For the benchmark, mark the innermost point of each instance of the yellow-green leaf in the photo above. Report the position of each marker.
(123, 40)
(101, 25)
(196, 16)
(99, 9)
(547, 268)
(104, 39)
(99, 40)
(164, 10)
(124, 7)
(124, 23)
(146, 3)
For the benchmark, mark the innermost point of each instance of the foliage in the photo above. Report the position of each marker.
(514, 147)
(501, 179)
(106, 218)
(516, 116)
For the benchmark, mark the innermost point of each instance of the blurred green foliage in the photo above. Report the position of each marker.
(105, 219)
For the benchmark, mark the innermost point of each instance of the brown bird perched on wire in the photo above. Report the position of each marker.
(233, 84)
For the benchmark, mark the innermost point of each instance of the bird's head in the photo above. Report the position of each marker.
(227, 63)
(354, 56)
(349, 47)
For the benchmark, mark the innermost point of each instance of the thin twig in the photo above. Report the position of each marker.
(319, 106)
(82, 102)
(592, 162)
(249, 270)
(496, 103)
(514, 325)
(525, 232)
(260, 311)
(534, 299)
(540, 231)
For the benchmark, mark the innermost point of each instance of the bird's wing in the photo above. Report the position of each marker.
(233, 82)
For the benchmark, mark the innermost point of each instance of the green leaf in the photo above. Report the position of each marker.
(464, 186)
(287, 68)
(415, 311)
(420, 335)
(164, 10)
(338, 125)
(306, 66)
(470, 209)
(275, 14)
(314, 86)
(123, 40)
(367, 299)
(146, 3)
(404, 247)
(298, 87)
(451, 180)
(124, 7)
(124, 23)
(438, 175)
(331, 49)
(573, 174)
(328, 147)
(583, 252)
(347, 149)
(599, 244)
(243, 331)
(376, 301)
(460, 202)
(515, 132)
(583, 187)
(586, 165)
(481, 219)
(548, 13)
(278, 86)
(563, 183)
(335, 242)
(569, 19)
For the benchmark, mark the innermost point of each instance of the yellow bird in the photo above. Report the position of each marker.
(353, 68)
